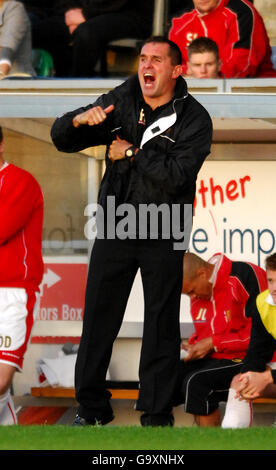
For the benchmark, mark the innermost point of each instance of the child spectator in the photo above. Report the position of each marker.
(203, 59)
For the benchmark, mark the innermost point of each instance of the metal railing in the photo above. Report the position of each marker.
(50, 98)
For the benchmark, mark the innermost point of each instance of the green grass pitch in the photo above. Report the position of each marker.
(57, 437)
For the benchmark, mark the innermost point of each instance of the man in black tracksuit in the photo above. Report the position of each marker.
(157, 138)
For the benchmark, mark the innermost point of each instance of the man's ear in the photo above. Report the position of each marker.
(177, 71)
(2, 146)
(202, 272)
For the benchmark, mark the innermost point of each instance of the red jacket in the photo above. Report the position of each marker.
(21, 215)
(238, 30)
(226, 317)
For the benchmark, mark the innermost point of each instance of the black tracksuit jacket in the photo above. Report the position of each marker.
(173, 144)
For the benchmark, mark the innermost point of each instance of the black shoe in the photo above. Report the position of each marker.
(79, 421)
(157, 420)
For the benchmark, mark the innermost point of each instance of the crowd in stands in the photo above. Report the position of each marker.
(236, 27)
(76, 33)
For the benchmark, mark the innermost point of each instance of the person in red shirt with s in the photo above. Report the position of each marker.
(21, 271)
(223, 294)
(236, 27)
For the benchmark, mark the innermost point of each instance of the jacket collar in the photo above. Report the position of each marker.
(180, 91)
(168, 112)
(222, 270)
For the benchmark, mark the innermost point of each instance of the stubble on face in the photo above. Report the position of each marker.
(157, 75)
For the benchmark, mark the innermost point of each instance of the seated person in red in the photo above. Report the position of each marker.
(223, 294)
(237, 28)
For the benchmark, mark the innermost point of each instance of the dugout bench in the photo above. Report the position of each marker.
(120, 390)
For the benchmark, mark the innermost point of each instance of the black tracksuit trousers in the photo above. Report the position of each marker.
(113, 266)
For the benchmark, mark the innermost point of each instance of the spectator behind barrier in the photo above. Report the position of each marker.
(93, 24)
(49, 32)
(15, 40)
(237, 28)
(203, 59)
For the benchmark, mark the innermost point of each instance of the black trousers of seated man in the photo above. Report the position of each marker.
(204, 383)
(112, 270)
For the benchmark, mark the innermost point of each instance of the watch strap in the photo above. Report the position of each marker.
(130, 151)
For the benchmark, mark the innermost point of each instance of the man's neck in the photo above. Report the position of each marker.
(211, 272)
(202, 13)
(155, 103)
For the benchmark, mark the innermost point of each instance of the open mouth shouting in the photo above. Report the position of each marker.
(149, 79)
(157, 74)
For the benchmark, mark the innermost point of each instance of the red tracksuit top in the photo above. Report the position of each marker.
(225, 317)
(21, 218)
(238, 30)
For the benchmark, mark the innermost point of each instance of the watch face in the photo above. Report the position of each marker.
(129, 153)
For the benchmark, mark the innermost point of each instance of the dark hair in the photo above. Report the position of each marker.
(175, 52)
(1, 134)
(270, 262)
(203, 44)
